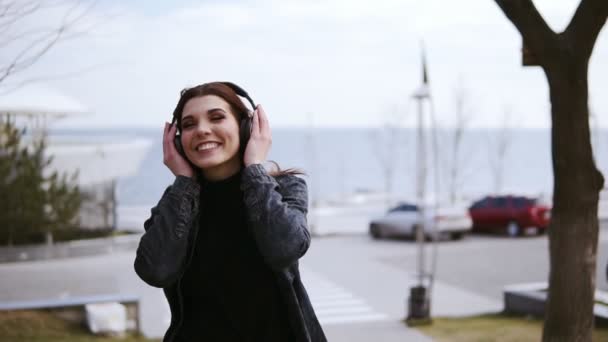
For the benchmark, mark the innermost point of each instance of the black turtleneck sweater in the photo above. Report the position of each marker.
(229, 293)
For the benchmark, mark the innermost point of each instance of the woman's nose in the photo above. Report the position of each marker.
(203, 129)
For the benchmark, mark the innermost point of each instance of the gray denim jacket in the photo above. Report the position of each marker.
(276, 212)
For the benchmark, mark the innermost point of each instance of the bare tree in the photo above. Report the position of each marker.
(499, 148)
(573, 234)
(457, 162)
(26, 36)
(386, 148)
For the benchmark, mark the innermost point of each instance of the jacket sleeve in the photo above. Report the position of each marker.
(276, 212)
(163, 248)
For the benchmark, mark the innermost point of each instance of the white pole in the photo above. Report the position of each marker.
(420, 190)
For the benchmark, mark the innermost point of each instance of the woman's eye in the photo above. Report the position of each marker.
(217, 118)
(186, 125)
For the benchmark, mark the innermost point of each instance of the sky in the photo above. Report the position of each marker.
(331, 63)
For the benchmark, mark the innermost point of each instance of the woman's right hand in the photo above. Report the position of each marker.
(171, 158)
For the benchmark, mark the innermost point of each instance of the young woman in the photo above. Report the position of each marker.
(225, 238)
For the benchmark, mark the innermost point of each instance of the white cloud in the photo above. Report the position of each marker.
(344, 61)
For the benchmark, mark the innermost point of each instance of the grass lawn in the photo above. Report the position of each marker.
(39, 325)
(492, 328)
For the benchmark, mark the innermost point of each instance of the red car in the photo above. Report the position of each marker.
(515, 214)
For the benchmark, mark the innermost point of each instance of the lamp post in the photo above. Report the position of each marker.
(418, 306)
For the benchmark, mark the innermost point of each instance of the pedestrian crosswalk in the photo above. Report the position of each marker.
(334, 304)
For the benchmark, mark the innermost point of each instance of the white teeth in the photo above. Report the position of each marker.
(207, 146)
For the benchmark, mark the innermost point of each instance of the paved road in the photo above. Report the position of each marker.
(346, 314)
(358, 285)
(484, 264)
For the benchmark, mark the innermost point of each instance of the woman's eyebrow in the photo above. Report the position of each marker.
(213, 110)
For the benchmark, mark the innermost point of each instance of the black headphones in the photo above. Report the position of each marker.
(244, 129)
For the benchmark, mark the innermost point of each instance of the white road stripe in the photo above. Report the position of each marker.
(341, 302)
(334, 296)
(341, 310)
(334, 304)
(352, 319)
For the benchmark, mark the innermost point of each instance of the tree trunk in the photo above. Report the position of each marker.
(48, 238)
(573, 232)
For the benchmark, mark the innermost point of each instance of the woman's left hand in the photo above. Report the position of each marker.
(260, 140)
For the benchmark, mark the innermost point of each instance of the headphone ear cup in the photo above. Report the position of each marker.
(177, 141)
(245, 132)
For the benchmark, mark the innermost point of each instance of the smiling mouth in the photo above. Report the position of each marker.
(206, 147)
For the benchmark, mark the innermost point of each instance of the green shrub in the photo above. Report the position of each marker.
(34, 203)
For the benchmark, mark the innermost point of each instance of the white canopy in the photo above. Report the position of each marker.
(37, 100)
(98, 161)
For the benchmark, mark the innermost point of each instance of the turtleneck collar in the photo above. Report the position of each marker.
(229, 182)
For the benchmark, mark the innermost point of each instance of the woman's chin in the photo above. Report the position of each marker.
(205, 164)
(209, 163)
(213, 162)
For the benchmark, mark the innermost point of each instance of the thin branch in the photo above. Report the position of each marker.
(5, 9)
(21, 62)
(6, 88)
(40, 46)
(8, 19)
(19, 8)
(537, 35)
(586, 24)
(31, 35)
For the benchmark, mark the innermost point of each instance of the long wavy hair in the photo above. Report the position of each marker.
(238, 108)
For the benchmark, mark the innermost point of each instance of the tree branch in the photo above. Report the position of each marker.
(537, 35)
(39, 42)
(8, 18)
(586, 24)
(23, 61)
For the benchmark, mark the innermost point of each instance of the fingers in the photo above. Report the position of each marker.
(263, 121)
(165, 134)
(255, 122)
(168, 136)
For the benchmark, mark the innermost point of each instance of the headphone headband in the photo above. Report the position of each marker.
(237, 90)
(240, 92)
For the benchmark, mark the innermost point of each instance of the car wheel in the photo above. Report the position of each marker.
(375, 231)
(533, 231)
(513, 229)
(457, 235)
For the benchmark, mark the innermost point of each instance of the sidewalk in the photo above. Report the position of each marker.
(354, 267)
(69, 249)
(387, 331)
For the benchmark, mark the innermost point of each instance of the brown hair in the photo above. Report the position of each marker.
(237, 106)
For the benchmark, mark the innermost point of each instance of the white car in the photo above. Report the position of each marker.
(404, 220)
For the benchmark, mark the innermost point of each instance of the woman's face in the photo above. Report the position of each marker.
(210, 136)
